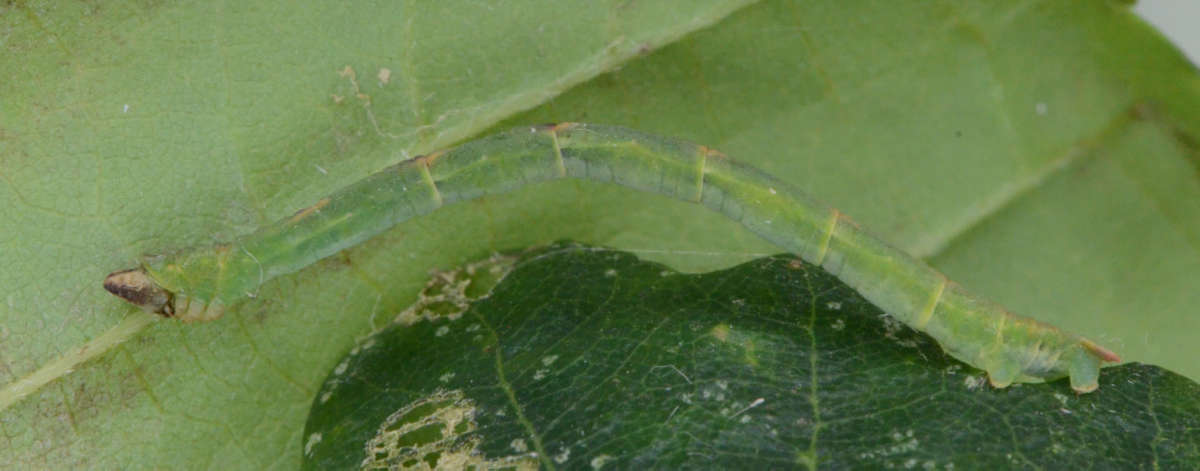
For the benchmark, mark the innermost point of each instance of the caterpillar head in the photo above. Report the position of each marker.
(137, 288)
(134, 286)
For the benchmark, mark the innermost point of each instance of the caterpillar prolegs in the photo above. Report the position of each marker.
(198, 285)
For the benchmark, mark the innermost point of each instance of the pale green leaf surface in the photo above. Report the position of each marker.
(924, 122)
(130, 128)
(943, 149)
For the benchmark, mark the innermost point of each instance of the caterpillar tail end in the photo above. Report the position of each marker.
(1102, 353)
(136, 288)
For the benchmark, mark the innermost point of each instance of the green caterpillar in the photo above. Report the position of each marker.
(198, 285)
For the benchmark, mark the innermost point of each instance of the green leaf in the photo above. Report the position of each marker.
(584, 357)
(1041, 153)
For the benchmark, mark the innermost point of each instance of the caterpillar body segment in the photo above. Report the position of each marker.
(199, 284)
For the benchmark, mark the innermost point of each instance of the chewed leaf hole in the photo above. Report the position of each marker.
(416, 414)
(422, 436)
(447, 294)
(434, 432)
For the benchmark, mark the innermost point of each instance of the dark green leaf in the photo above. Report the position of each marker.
(584, 357)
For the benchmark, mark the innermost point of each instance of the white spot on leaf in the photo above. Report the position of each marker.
(563, 456)
(904, 443)
(599, 461)
(313, 439)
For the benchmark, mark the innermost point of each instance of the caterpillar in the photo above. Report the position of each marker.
(198, 285)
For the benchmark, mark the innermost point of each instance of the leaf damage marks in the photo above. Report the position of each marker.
(331, 385)
(350, 75)
(893, 326)
(384, 76)
(902, 444)
(448, 294)
(974, 382)
(437, 431)
(750, 345)
(600, 460)
(310, 442)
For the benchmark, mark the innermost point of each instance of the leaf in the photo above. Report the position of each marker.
(590, 357)
(128, 128)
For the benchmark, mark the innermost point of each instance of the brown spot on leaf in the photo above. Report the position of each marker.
(306, 212)
(840, 216)
(710, 153)
(428, 159)
(554, 127)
